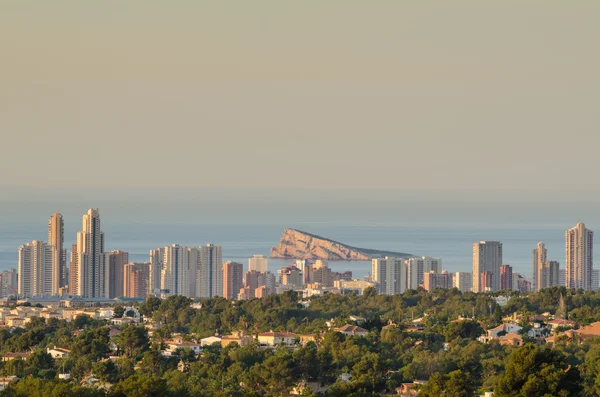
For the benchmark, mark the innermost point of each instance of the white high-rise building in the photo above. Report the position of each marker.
(539, 258)
(417, 267)
(463, 281)
(389, 274)
(56, 239)
(487, 257)
(579, 249)
(179, 270)
(155, 270)
(210, 272)
(258, 263)
(35, 276)
(549, 276)
(9, 284)
(91, 271)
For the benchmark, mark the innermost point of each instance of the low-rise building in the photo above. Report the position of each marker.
(277, 338)
(13, 356)
(239, 337)
(210, 340)
(58, 352)
(352, 330)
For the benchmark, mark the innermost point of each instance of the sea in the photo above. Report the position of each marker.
(447, 236)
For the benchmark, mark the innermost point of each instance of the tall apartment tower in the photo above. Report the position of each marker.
(506, 277)
(550, 275)
(134, 280)
(463, 281)
(487, 257)
(210, 272)
(539, 258)
(74, 271)
(258, 263)
(91, 271)
(35, 276)
(179, 270)
(417, 267)
(155, 270)
(56, 239)
(579, 249)
(321, 273)
(233, 279)
(115, 262)
(389, 274)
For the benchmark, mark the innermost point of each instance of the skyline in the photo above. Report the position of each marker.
(325, 96)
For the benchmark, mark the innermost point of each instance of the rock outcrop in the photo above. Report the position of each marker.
(295, 244)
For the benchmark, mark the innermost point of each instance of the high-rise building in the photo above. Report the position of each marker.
(389, 274)
(485, 281)
(562, 277)
(115, 262)
(580, 248)
(321, 274)
(179, 270)
(255, 280)
(487, 257)
(463, 281)
(210, 272)
(258, 263)
(433, 280)
(417, 267)
(135, 276)
(595, 278)
(549, 276)
(56, 239)
(506, 277)
(291, 277)
(9, 283)
(520, 283)
(35, 269)
(539, 258)
(155, 270)
(233, 274)
(74, 271)
(305, 268)
(90, 268)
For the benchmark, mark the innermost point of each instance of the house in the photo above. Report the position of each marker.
(58, 352)
(196, 348)
(315, 387)
(7, 380)
(506, 328)
(556, 323)
(277, 338)
(589, 331)
(304, 339)
(12, 356)
(239, 337)
(210, 340)
(352, 330)
(512, 339)
(409, 389)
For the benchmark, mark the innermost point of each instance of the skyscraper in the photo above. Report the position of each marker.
(155, 270)
(539, 258)
(114, 264)
(506, 277)
(74, 271)
(179, 270)
(579, 250)
(35, 277)
(463, 281)
(258, 263)
(321, 273)
(91, 272)
(134, 280)
(487, 257)
(389, 274)
(417, 267)
(210, 274)
(550, 275)
(56, 239)
(433, 280)
(233, 274)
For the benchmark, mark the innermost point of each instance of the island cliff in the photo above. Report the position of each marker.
(295, 244)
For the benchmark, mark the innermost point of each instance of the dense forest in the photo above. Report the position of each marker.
(443, 352)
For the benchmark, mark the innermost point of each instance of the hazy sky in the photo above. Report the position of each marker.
(424, 95)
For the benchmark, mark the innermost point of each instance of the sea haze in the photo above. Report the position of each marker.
(246, 227)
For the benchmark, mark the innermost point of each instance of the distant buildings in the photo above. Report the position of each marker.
(135, 277)
(487, 258)
(233, 279)
(35, 269)
(321, 274)
(550, 275)
(595, 278)
(539, 258)
(291, 278)
(389, 275)
(433, 280)
(114, 263)
(8, 283)
(56, 239)
(258, 263)
(179, 270)
(155, 270)
(463, 281)
(506, 277)
(417, 267)
(579, 257)
(210, 272)
(90, 267)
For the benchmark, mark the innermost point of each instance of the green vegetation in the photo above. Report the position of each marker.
(444, 352)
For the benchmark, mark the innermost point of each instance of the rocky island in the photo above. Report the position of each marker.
(295, 244)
